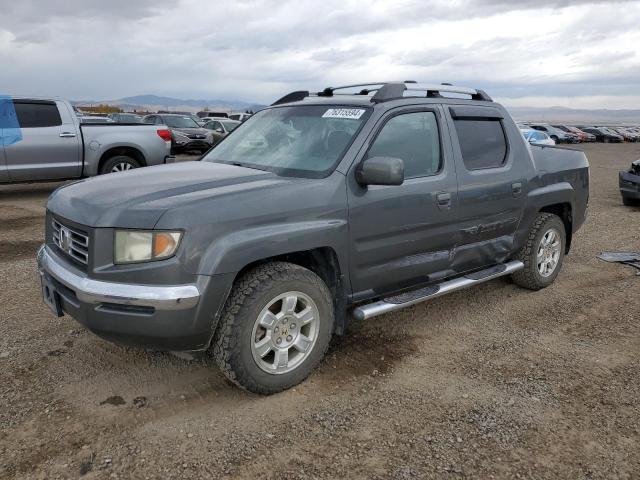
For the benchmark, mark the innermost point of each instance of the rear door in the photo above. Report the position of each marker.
(492, 176)
(50, 147)
(401, 236)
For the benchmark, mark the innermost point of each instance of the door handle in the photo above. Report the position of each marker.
(67, 134)
(444, 200)
(516, 188)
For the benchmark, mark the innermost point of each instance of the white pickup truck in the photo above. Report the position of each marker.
(42, 139)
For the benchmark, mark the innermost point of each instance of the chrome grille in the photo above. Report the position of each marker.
(71, 241)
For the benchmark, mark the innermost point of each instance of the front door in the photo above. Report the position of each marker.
(401, 236)
(216, 130)
(50, 144)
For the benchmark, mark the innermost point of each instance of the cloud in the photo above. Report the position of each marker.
(258, 50)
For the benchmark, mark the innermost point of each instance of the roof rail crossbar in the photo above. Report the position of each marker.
(385, 91)
(431, 91)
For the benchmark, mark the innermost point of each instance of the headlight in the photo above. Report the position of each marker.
(144, 246)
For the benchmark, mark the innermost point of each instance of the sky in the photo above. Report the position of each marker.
(577, 54)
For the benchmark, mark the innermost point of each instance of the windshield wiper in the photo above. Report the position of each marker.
(243, 165)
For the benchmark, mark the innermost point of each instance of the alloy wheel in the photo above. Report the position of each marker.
(285, 332)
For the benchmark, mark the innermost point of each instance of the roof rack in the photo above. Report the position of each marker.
(385, 91)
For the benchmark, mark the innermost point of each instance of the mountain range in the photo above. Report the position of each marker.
(155, 103)
(538, 114)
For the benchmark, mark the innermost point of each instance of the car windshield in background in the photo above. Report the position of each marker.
(180, 122)
(230, 126)
(304, 141)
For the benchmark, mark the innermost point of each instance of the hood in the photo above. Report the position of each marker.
(138, 198)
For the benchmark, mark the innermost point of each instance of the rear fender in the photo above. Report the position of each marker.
(537, 200)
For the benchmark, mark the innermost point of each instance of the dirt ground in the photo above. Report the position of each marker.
(491, 382)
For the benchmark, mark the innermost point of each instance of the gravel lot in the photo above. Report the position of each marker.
(492, 382)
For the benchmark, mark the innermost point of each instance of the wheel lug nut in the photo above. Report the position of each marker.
(293, 325)
(276, 329)
(289, 337)
(279, 340)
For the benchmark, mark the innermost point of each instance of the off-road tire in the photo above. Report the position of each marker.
(108, 165)
(231, 346)
(530, 277)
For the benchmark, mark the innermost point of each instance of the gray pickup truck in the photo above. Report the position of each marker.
(318, 209)
(43, 139)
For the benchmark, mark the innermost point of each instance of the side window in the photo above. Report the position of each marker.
(37, 114)
(216, 126)
(482, 143)
(412, 137)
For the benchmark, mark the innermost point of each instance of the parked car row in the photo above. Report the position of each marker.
(615, 134)
(561, 133)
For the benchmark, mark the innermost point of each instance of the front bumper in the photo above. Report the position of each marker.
(176, 317)
(179, 297)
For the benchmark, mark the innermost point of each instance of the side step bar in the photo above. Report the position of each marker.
(408, 299)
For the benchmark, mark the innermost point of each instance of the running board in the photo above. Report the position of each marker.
(408, 299)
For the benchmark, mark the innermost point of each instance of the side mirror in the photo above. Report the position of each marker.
(219, 130)
(381, 171)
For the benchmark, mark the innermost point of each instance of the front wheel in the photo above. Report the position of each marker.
(275, 327)
(543, 253)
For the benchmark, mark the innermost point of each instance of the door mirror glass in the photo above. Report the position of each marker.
(381, 171)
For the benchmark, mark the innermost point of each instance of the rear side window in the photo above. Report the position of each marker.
(482, 143)
(37, 114)
(412, 137)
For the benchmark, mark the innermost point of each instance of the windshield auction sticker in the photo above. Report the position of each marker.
(353, 113)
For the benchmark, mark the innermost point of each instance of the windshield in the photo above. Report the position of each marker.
(306, 141)
(230, 126)
(180, 122)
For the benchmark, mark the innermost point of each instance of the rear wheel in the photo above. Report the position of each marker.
(275, 328)
(120, 163)
(543, 253)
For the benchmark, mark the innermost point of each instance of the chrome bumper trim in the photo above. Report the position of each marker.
(175, 297)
